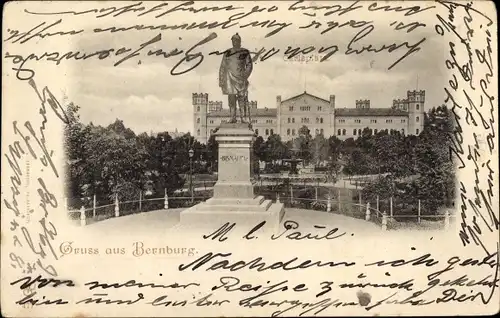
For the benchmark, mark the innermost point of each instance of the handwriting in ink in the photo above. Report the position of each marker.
(291, 234)
(256, 264)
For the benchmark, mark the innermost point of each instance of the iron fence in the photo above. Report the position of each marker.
(384, 212)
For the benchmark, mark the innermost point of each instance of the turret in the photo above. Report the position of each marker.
(363, 103)
(279, 119)
(332, 116)
(401, 104)
(200, 108)
(416, 101)
(332, 102)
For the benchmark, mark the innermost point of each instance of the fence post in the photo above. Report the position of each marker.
(360, 202)
(277, 197)
(93, 207)
(367, 212)
(329, 204)
(140, 200)
(446, 220)
(291, 193)
(117, 206)
(65, 204)
(165, 203)
(391, 209)
(83, 219)
(384, 221)
(418, 218)
(377, 203)
(316, 193)
(338, 198)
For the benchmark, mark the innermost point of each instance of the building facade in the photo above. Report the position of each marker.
(319, 115)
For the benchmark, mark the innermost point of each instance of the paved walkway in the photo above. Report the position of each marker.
(160, 220)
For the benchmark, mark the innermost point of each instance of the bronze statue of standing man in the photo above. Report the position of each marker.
(235, 69)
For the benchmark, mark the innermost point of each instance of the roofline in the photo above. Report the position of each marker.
(305, 93)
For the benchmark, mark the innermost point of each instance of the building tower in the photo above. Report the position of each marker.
(363, 103)
(331, 116)
(278, 119)
(416, 100)
(200, 105)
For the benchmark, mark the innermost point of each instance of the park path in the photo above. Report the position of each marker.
(160, 220)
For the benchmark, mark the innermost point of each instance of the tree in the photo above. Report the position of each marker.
(319, 149)
(304, 142)
(161, 163)
(119, 128)
(114, 160)
(275, 149)
(212, 152)
(259, 153)
(75, 135)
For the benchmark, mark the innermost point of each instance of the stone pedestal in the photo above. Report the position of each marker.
(234, 200)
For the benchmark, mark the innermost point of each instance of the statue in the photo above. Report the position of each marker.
(235, 68)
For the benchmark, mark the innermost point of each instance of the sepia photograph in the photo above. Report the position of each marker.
(249, 158)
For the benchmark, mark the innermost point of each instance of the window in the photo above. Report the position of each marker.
(354, 132)
(269, 121)
(357, 121)
(198, 108)
(290, 108)
(317, 120)
(319, 108)
(267, 132)
(321, 120)
(254, 121)
(403, 131)
(418, 106)
(211, 121)
(376, 130)
(418, 131)
(293, 120)
(338, 132)
(305, 108)
(321, 131)
(198, 132)
(389, 121)
(288, 132)
(344, 132)
(317, 131)
(304, 120)
(293, 132)
(403, 121)
(418, 119)
(341, 120)
(272, 132)
(373, 121)
(289, 120)
(359, 132)
(256, 131)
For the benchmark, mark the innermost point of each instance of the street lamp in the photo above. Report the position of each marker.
(191, 154)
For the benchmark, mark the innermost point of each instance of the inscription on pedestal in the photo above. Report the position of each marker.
(234, 158)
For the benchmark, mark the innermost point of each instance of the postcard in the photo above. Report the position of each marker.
(249, 159)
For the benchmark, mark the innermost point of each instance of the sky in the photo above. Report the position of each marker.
(142, 92)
